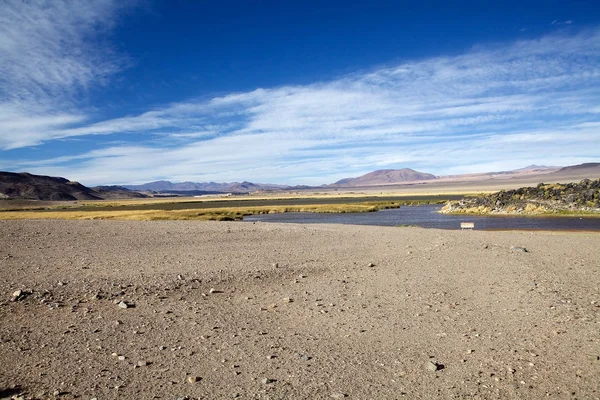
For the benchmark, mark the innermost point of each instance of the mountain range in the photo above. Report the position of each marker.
(36, 187)
(205, 187)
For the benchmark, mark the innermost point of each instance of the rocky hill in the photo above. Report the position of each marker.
(386, 177)
(117, 192)
(38, 187)
(544, 198)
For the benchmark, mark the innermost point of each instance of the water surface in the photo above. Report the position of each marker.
(426, 216)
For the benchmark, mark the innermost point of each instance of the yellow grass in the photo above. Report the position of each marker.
(225, 213)
(197, 200)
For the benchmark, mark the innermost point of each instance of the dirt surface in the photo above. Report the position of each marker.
(295, 312)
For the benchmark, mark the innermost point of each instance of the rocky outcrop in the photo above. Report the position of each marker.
(542, 199)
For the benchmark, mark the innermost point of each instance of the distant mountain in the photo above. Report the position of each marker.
(208, 187)
(535, 168)
(591, 167)
(386, 177)
(117, 192)
(36, 187)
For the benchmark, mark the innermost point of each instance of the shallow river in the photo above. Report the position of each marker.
(426, 216)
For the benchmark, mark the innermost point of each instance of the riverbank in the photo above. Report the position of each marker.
(224, 310)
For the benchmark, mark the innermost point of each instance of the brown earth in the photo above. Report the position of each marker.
(298, 305)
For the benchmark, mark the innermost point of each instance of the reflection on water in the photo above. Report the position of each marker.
(427, 217)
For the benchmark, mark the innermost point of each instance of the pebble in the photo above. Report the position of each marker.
(519, 249)
(267, 381)
(16, 295)
(123, 305)
(142, 363)
(271, 356)
(193, 379)
(338, 395)
(371, 265)
(287, 300)
(433, 366)
(121, 358)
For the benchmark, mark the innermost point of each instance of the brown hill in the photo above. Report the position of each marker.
(386, 177)
(37, 187)
(117, 192)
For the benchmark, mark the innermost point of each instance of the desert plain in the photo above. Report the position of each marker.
(217, 310)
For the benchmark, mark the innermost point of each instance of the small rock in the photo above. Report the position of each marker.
(338, 395)
(121, 358)
(275, 265)
(123, 305)
(267, 381)
(271, 356)
(193, 379)
(17, 295)
(371, 265)
(519, 249)
(287, 300)
(433, 366)
(142, 363)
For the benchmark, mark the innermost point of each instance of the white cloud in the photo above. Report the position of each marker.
(50, 51)
(515, 104)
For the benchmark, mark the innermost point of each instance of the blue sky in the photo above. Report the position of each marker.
(117, 92)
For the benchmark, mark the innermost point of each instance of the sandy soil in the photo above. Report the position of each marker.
(299, 306)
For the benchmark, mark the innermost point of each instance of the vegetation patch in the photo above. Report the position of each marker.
(218, 214)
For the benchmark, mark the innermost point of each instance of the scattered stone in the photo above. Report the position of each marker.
(271, 356)
(121, 358)
(17, 295)
(275, 265)
(142, 363)
(519, 249)
(338, 395)
(267, 381)
(434, 366)
(470, 351)
(287, 300)
(371, 265)
(511, 370)
(193, 379)
(123, 305)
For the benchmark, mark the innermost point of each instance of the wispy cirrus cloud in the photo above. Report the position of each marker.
(51, 52)
(508, 105)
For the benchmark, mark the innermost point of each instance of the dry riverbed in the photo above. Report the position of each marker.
(212, 310)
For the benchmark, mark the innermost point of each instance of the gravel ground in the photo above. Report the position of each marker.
(220, 310)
